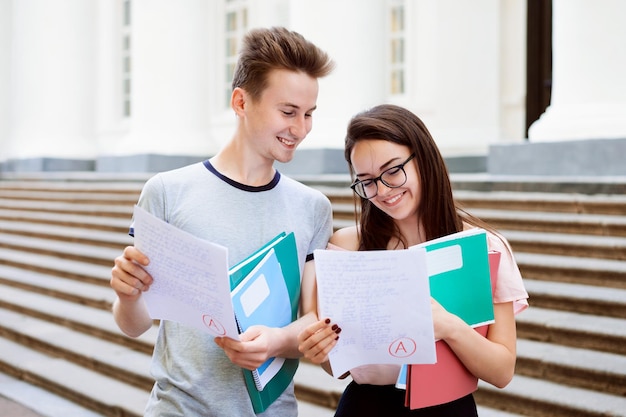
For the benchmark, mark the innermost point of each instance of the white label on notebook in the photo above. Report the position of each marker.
(256, 293)
(443, 260)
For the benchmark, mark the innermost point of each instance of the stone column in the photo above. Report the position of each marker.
(170, 75)
(589, 63)
(351, 31)
(52, 77)
(5, 77)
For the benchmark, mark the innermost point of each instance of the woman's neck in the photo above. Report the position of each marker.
(412, 233)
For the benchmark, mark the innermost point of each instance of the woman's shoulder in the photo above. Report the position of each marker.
(346, 238)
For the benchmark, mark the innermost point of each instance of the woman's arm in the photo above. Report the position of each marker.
(490, 358)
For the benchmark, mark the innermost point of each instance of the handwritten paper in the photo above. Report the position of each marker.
(381, 301)
(191, 283)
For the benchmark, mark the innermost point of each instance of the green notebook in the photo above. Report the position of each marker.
(459, 274)
(285, 251)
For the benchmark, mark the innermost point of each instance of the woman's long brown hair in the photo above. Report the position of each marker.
(438, 211)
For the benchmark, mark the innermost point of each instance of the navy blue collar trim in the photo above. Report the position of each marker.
(241, 186)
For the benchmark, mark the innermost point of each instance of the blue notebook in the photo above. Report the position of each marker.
(259, 297)
(262, 298)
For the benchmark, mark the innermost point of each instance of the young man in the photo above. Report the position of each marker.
(236, 199)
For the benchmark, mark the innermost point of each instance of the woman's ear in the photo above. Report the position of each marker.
(238, 101)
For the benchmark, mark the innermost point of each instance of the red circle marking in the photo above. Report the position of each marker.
(402, 347)
(213, 325)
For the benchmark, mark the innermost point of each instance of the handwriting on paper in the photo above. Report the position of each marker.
(191, 283)
(381, 301)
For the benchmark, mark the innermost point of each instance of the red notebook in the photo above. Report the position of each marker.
(448, 379)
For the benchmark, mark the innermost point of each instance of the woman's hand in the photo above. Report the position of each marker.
(317, 340)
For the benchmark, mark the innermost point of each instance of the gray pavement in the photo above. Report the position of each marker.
(10, 408)
(21, 399)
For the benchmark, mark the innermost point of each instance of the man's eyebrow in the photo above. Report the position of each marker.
(295, 106)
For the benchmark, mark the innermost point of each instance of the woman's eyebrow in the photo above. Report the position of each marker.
(381, 168)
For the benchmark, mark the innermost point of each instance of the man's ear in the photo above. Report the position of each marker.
(238, 100)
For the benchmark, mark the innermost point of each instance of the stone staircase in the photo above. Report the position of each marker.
(59, 235)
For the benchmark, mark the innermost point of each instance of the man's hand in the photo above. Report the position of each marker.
(256, 345)
(128, 278)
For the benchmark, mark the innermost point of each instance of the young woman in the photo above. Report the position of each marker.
(406, 199)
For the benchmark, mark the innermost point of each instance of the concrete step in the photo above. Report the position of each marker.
(21, 399)
(81, 318)
(52, 265)
(306, 409)
(75, 181)
(65, 196)
(107, 358)
(18, 207)
(586, 299)
(597, 247)
(582, 224)
(88, 294)
(591, 185)
(539, 398)
(314, 385)
(604, 334)
(572, 366)
(61, 249)
(51, 232)
(576, 270)
(82, 386)
(543, 202)
(94, 221)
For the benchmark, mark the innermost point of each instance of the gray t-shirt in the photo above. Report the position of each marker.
(193, 375)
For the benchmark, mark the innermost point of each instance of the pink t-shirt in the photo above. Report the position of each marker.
(509, 286)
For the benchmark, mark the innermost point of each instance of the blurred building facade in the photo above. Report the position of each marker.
(144, 85)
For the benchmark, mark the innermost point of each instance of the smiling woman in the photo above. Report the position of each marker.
(406, 199)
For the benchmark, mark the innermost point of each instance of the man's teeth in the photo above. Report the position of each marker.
(287, 142)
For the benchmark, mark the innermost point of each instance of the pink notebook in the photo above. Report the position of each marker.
(448, 379)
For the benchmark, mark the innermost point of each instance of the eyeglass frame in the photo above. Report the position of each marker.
(380, 178)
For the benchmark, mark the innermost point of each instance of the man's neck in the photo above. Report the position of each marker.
(243, 167)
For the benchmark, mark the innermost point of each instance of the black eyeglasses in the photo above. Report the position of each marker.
(393, 177)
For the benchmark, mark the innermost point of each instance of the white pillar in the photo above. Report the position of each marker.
(458, 70)
(589, 62)
(111, 125)
(170, 75)
(52, 75)
(353, 32)
(5, 75)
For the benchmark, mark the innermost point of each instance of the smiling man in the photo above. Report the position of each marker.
(239, 200)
